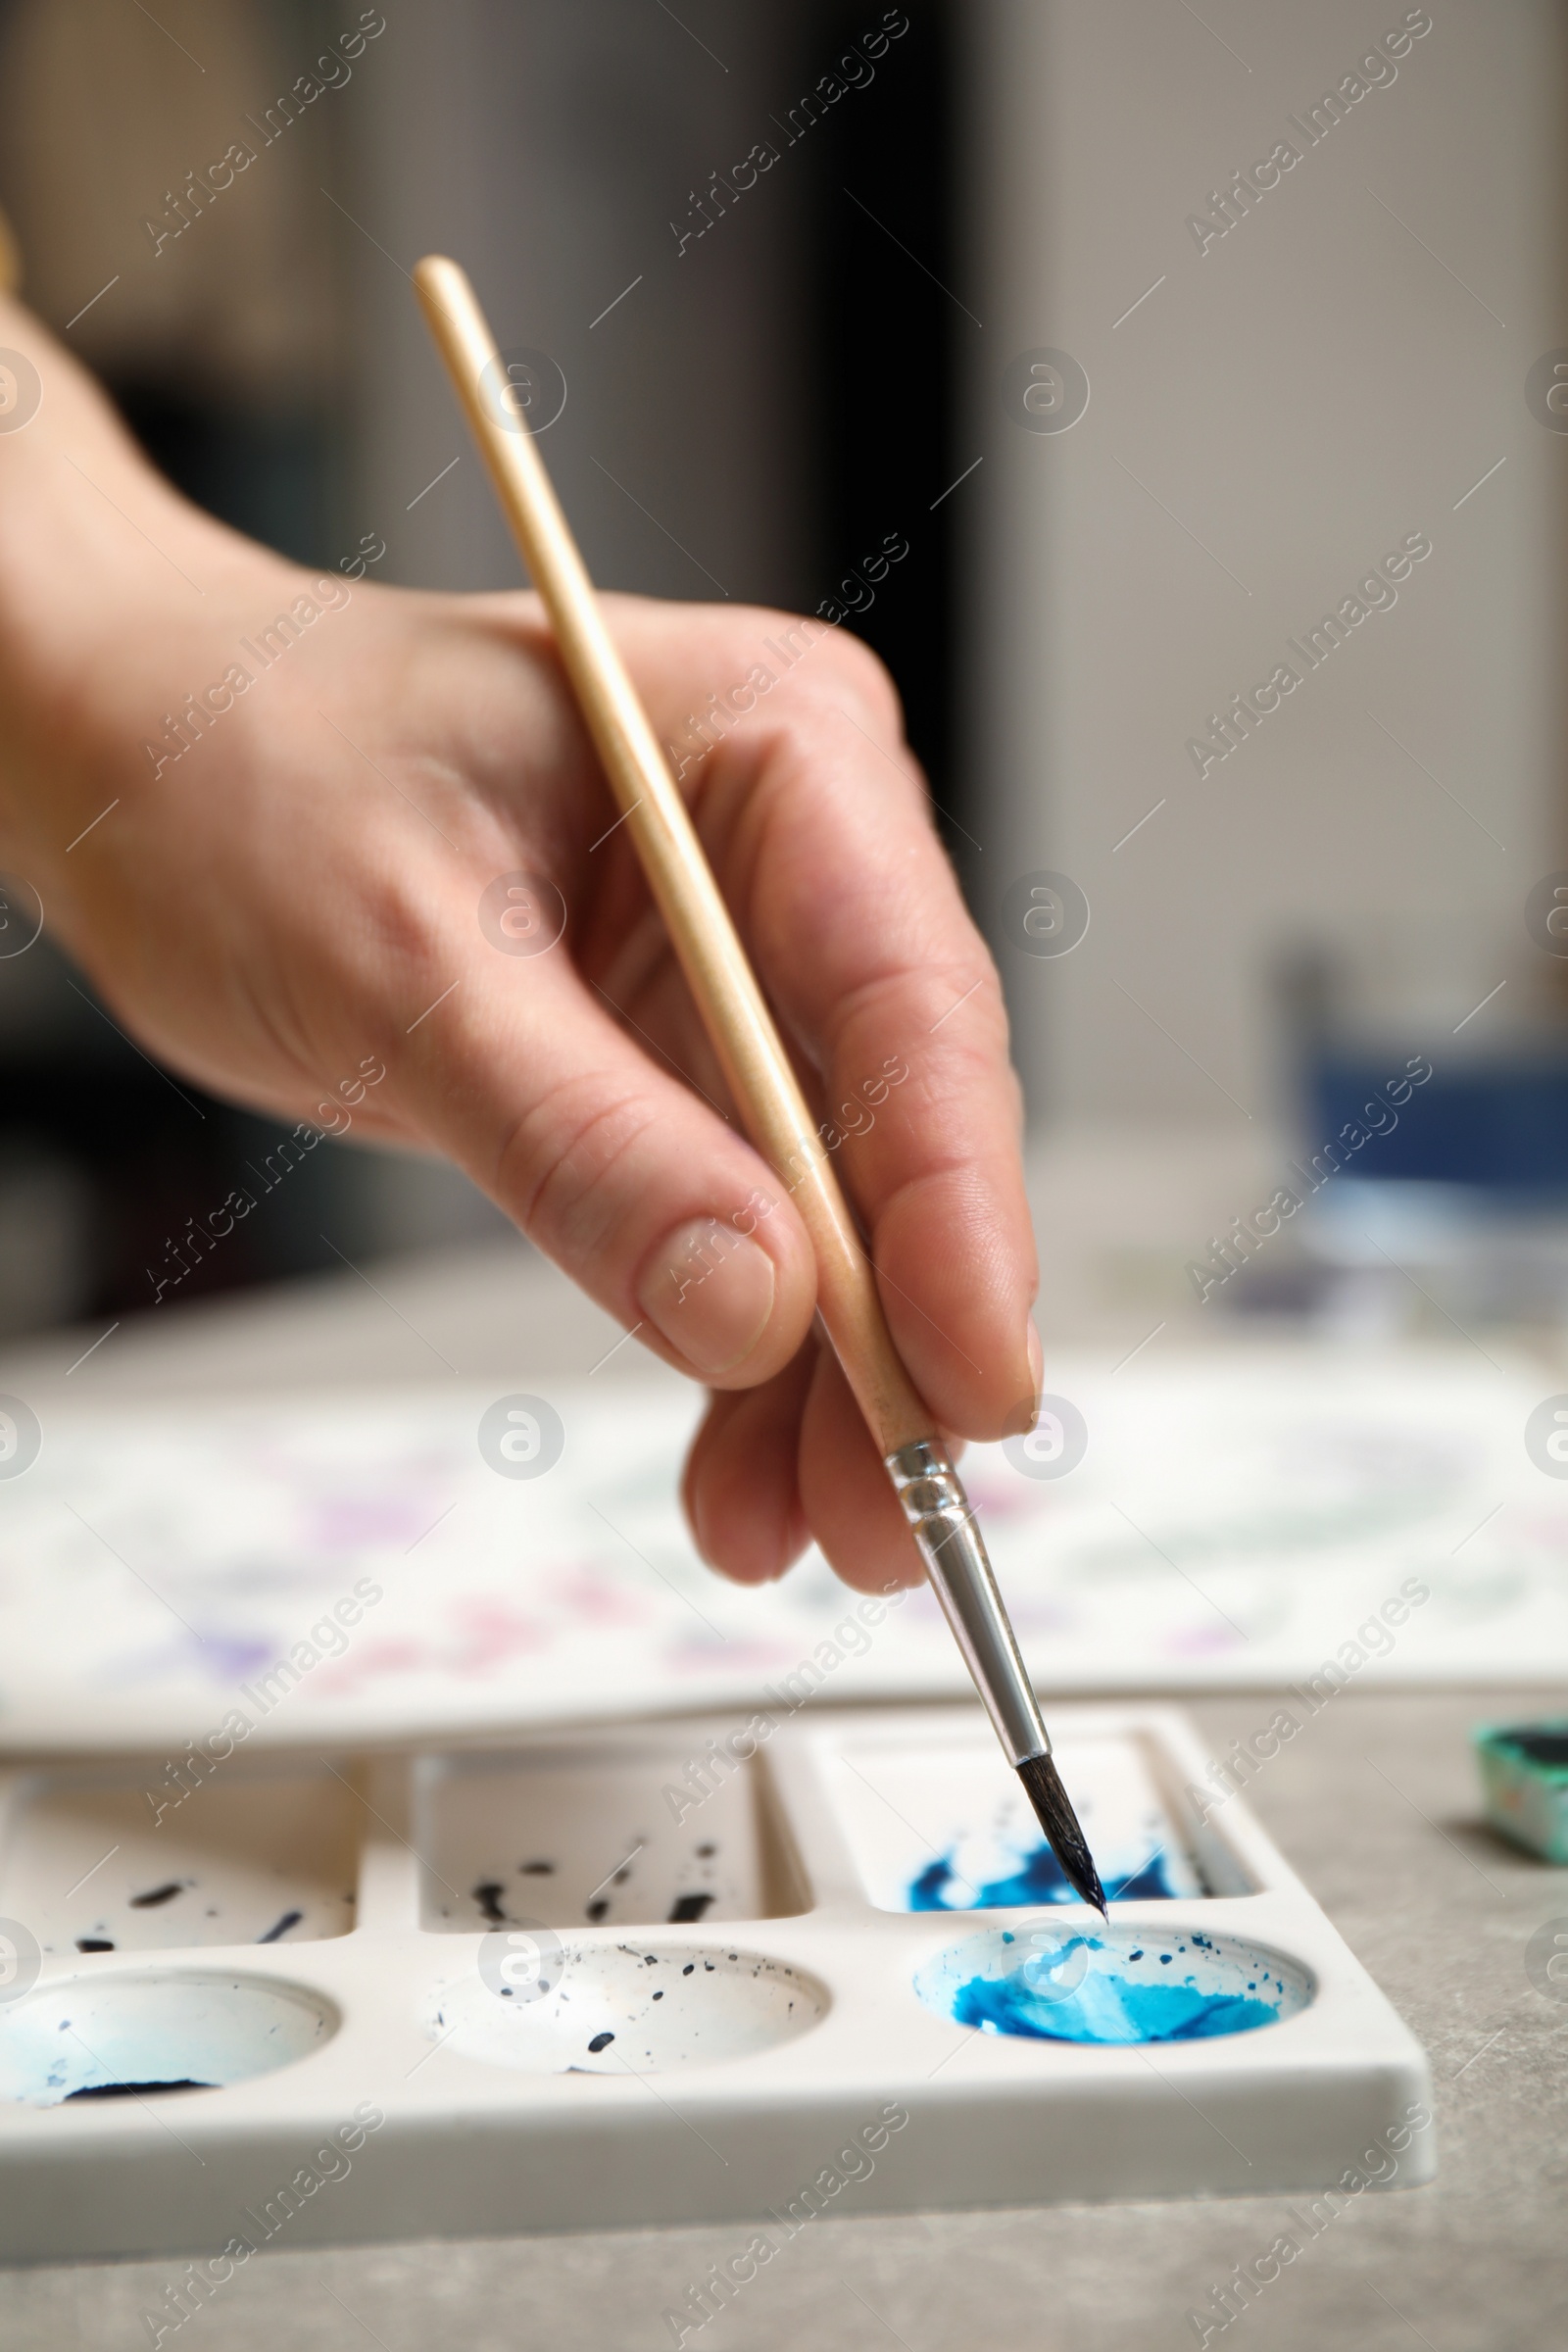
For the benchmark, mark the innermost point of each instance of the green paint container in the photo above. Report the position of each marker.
(1524, 1774)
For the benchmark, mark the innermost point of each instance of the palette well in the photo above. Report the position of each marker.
(672, 1974)
(1113, 1986)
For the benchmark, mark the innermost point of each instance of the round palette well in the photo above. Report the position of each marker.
(133, 2035)
(614, 2009)
(1045, 1982)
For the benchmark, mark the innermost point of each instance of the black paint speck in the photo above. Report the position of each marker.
(537, 1870)
(689, 1908)
(156, 1895)
(1138, 1956)
(597, 1909)
(282, 1927)
(487, 1894)
(687, 1970)
(600, 2041)
(660, 1995)
(707, 1851)
(93, 1943)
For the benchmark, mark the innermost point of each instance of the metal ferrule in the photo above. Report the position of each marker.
(943, 1524)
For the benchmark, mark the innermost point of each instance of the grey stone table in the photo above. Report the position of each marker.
(1376, 1809)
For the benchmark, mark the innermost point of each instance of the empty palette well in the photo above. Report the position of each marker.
(570, 1839)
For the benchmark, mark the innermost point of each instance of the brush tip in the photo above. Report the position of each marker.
(1055, 1815)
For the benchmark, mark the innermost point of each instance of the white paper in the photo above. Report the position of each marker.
(1236, 1520)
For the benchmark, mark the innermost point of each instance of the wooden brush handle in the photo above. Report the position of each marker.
(718, 972)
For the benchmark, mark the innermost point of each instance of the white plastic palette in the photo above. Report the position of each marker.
(556, 1985)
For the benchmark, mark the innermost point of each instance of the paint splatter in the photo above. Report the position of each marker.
(600, 2041)
(94, 1943)
(487, 1894)
(280, 1927)
(688, 1908)
(156, 1895)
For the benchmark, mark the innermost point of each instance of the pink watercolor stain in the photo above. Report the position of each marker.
(1202, 1642)
(1012, 1500)
(591, 1596)
(489, 1632)
(372, 1662)
(347, 1523)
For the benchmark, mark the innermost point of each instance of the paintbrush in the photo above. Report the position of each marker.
(752, 1056)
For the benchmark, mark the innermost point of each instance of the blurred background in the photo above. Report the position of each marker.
(1029, 289)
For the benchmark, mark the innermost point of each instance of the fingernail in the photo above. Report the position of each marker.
(710, 1291)
(1037, 1359)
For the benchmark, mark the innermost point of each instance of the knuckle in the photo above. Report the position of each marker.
(564, 1163)
(822, 661)
(866, 672)
(846, 667)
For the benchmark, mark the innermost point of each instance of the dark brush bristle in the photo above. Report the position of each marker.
(1053, 1811)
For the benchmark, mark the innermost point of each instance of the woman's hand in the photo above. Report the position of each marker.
(307, 870)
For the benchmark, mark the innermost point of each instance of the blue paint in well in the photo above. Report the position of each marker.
(1110, 1989)
(1038, 1878)
(1104, 2007)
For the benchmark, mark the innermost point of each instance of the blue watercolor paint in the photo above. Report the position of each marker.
(1038, 1878)
(1090, 1988)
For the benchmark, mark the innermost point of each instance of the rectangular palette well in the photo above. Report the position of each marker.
(578, 1840)
(674, 1974)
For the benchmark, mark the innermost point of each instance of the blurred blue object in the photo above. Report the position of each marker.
(1498, 1127)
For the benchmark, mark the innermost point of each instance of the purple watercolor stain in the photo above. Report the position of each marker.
(222, 1657)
